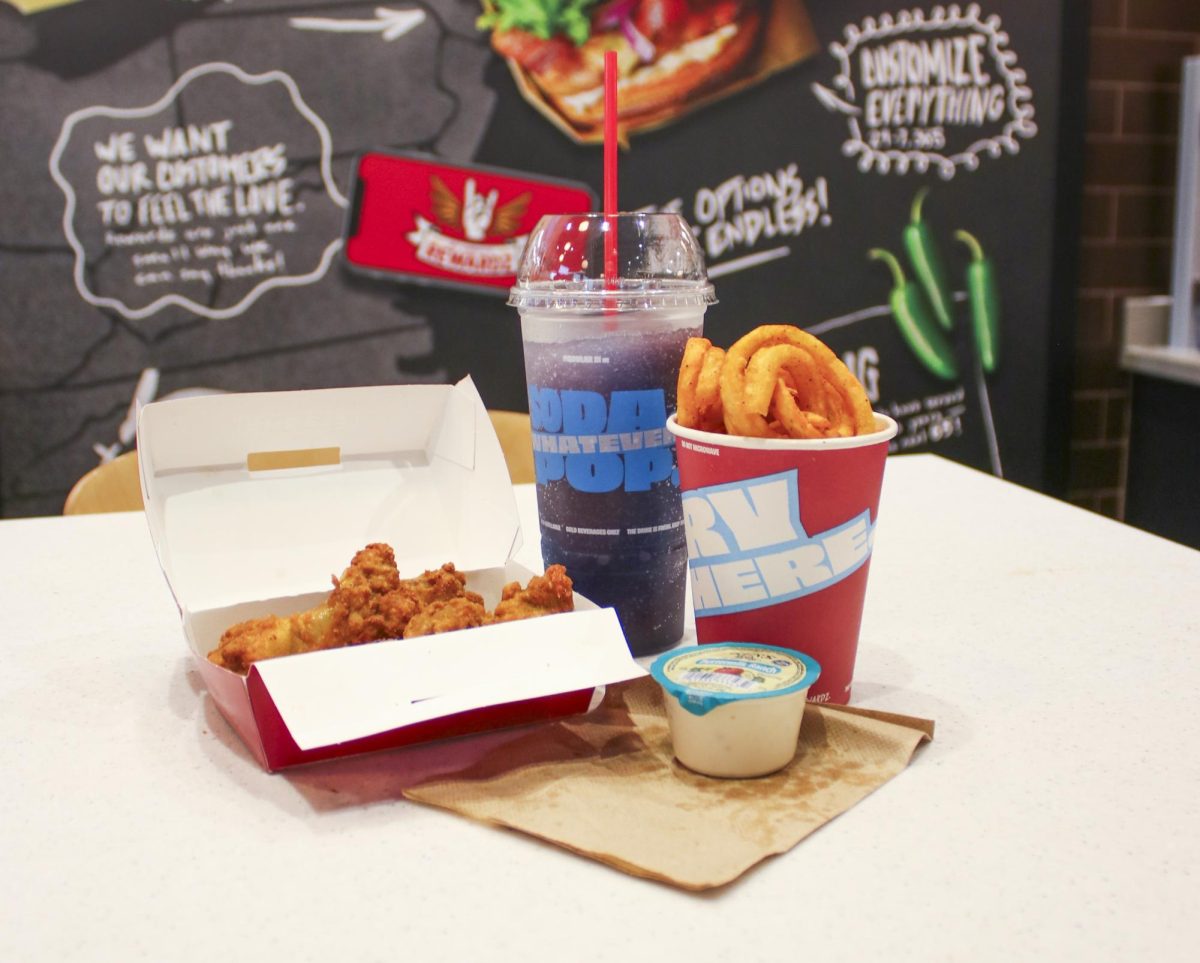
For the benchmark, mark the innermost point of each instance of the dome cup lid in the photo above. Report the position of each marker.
(659, 264)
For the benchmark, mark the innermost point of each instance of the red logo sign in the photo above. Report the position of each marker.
(426, 221)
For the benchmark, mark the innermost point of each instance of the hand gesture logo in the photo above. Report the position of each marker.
(477, 210)
(476, 214)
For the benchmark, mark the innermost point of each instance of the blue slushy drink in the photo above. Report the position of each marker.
(608, 489)
(601, 363)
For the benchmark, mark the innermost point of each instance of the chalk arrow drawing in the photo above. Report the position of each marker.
(389, 24)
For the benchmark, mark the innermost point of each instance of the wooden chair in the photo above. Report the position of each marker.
(516, 441)
(111, 487)
(115, 487)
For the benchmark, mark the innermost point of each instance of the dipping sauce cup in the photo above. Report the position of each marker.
(734, 708)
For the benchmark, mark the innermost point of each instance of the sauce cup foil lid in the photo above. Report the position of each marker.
(703, 677)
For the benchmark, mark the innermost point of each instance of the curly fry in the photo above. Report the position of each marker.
(780, 381)
(699, 391)
(694, 351)
(795, 421)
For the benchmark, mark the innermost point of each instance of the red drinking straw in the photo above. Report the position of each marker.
(610, 166)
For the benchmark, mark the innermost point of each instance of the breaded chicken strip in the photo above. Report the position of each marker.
(544, 595)
(368, 603)
(439, 584)
(371, 602)
(448, 615)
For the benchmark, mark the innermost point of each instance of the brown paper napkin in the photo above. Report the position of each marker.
(606, 785)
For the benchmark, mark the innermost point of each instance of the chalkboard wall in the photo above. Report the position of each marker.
(176, 178)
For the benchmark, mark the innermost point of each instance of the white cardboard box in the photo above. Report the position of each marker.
(256, 500)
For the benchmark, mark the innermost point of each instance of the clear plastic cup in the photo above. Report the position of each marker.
(602, 353)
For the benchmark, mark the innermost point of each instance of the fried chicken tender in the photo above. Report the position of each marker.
(438, 585)
(544, 595)
(448, 615)
(371, 602)
(368, 603)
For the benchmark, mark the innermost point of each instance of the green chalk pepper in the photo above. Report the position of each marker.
(984, 299)
(919, 330)
(927, 263)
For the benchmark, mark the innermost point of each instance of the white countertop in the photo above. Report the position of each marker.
(1056, 815)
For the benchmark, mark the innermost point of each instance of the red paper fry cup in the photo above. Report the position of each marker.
(779, 536)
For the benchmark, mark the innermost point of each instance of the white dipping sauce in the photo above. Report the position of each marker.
(735, 708)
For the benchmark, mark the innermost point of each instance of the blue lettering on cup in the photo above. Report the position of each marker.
(545, 409)
(583, 413)
(548, 466)
(594, 473)
(598, 444)
(645, 467)
(637, 410)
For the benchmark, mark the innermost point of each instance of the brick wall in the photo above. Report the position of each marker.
(1127, 219)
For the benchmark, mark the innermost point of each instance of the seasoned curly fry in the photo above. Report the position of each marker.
(689, 373)
(699, 388)
(795, 421)
(779, 381)
(801, 400)
(708, 390)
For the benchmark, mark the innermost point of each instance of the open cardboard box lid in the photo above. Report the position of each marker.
(255, 500)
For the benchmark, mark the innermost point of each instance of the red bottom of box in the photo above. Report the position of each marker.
(248, 707)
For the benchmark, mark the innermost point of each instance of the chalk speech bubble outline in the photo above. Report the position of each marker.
(1018, 94)
(254, 80)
